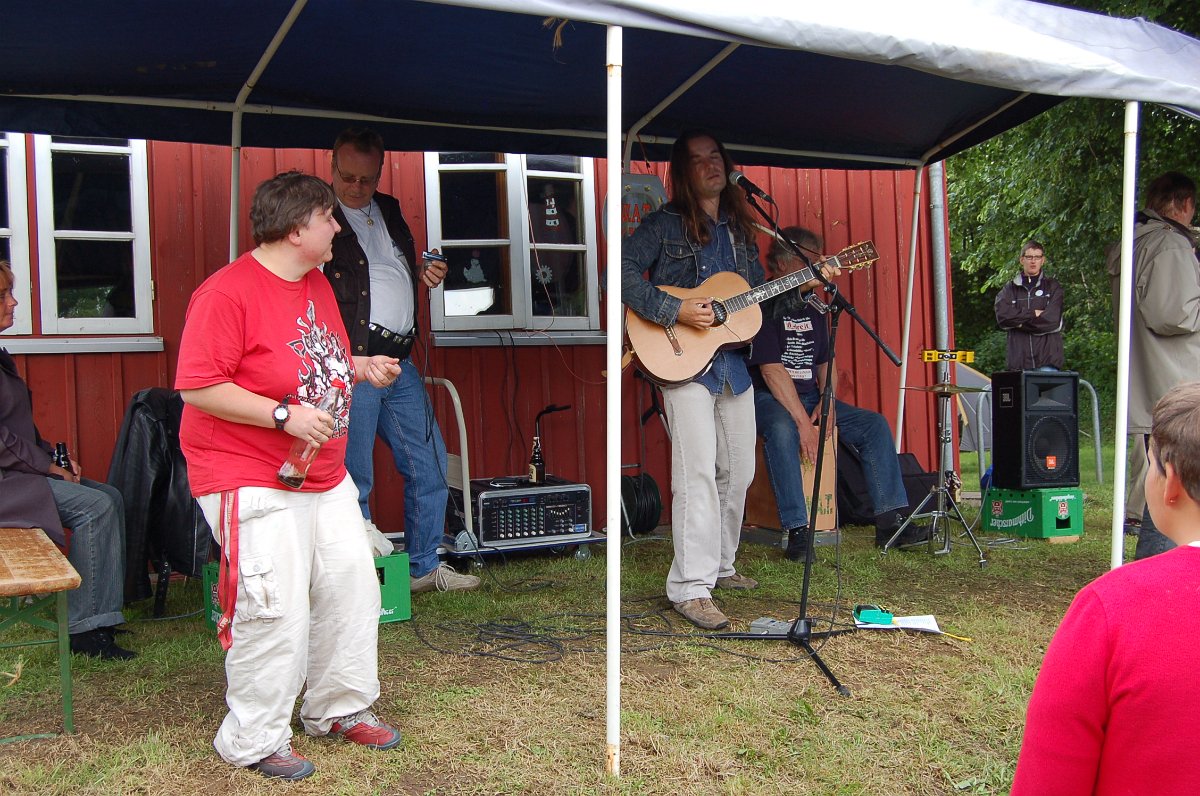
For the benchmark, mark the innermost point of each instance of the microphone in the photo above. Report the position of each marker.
(740, 180)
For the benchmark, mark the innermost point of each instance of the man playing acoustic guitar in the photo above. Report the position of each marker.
(703, 230)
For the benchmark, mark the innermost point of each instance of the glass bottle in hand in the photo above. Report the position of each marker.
(295, 468)
(61, 458)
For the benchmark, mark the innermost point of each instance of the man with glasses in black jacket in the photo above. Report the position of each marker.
(375, 276)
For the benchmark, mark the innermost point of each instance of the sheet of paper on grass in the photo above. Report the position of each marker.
(924, 623)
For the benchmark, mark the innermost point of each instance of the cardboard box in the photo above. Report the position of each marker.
(392, 571)
(761, 508)
(1034, 513)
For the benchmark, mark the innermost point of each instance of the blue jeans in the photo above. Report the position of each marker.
(865, 431)
(96, 516)
(402, 417)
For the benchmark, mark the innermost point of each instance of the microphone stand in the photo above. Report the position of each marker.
(800, 632)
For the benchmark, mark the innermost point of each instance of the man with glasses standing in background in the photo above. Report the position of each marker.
(375, 273)
(1029, 308)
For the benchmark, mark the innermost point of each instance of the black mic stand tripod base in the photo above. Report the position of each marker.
(800, 631)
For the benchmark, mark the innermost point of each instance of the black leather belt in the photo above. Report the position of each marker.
(392, 344)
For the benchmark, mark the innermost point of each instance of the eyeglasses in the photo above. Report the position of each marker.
(365, 182)
(1033, 257)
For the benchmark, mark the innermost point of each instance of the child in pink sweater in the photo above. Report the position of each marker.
(1114, 709)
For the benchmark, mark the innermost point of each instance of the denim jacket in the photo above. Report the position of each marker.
(660, 244)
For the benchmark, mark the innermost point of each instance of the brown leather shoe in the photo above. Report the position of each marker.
(737, 581)
(703, 613)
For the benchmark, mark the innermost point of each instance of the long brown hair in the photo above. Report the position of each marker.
(683, 195)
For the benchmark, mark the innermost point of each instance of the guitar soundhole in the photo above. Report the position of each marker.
(720, 314)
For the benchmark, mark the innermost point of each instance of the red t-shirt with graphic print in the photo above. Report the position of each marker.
(275, 338)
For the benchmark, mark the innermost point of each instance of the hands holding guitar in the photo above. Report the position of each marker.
(696, 312)
(828, 271)
(677, 354)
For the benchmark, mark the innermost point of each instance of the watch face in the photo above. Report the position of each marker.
(281, 414)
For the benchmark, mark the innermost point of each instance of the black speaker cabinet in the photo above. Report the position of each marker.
(1035, 429)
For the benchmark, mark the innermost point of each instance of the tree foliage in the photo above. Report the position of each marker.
(1057, 179)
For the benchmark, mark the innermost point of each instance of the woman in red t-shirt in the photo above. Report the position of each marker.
(262, 343)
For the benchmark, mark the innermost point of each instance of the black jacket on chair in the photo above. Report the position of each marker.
(162, 520)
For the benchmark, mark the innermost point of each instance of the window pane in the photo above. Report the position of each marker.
(470, 157)
(473, 205)
(5, 251)
(95, 279)
(4, 186)
(91, 192)
(559, 284)
(478, 282)
(553, 206)
(552, 163)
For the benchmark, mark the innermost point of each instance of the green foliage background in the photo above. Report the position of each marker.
(1057, 179)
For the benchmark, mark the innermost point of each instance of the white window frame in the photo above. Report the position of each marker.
(17, 233)
(521, 319)
(143, 320)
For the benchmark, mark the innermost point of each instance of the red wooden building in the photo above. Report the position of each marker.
(86, 340)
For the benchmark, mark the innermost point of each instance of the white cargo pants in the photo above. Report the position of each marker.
(307, 609)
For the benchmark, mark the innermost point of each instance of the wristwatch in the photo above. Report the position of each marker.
(281, 414)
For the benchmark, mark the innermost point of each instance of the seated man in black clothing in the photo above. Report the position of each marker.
(789, 368)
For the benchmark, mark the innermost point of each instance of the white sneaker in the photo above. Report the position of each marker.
(443, 578)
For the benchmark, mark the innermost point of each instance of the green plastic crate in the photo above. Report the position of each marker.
(1033, 513)
(392, 571)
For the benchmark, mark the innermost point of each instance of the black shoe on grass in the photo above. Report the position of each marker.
(99, 643)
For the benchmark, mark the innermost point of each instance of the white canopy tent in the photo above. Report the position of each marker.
(899, 85)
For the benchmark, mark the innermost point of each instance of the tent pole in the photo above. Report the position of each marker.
(612, 505)
(912, 265)
(235, 180)
(1124, 313)
(941, 279)
(235, 171)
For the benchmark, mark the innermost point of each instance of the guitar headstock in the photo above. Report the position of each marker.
(852, 258)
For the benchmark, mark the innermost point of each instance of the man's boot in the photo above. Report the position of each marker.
(886, 525)
(799, 539)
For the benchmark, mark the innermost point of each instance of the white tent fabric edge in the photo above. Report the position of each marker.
(1019, 45)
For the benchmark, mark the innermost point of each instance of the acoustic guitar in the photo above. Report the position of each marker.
(677, 354)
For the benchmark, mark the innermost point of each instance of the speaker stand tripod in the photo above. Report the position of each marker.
(944, 508)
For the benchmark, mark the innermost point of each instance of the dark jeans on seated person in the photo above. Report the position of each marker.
(866, 431)
(96, 516)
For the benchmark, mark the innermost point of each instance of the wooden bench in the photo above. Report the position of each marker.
(32, 567)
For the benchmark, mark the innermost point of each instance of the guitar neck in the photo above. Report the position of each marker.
(767, 290)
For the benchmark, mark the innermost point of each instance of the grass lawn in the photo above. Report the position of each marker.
(501, 691)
